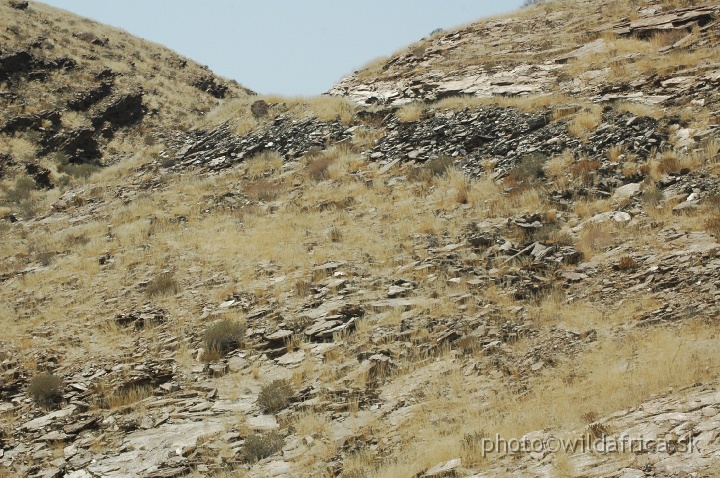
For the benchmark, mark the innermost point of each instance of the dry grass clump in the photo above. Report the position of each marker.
(432, 168)
(639, 109)
(223, 336)
(262, 445)
(21, 191)
(585, 122)
(163, 284)
(262, 190)
(530, 168)
(615, 153)
(712, 220)
(627, 263)
(275, 396)
(123, 397)
(409, 113)
(335, 234)
(372, 68)
(331, 108)
(46, 389)
(594, 238)
(559, 165)
(317, 168)
(263, 164)
(584, 170)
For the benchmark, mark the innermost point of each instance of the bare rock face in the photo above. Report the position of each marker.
(92, 38)
(120, 110)
(25, 63)
(210, 85)
(19, 4)
(40, 175)
(32, 121)
(653, 20)
(83, 100)
(219, 148)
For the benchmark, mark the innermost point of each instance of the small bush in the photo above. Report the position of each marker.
(262, 445)
(21, 192)
(163, 284)
(224, 336)
(651, 196)
(275, 396)
(627, 263)
(530, 168)
(584, 170)
(712, 225)
(336, 235)
(79, 170)
(318, 168)
(412, 112)
(46, 389)
(262, 190)
(432, 168)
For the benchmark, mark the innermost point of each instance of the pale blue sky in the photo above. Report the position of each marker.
(289, 47)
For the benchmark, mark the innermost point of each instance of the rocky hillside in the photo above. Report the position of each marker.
(493, 254)
(75, 94)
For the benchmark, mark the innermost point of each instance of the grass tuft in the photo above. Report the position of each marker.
(46, 389)
(275, 396)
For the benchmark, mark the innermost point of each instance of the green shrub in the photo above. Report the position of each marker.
(275, 396)
(262, 445)
(224, 336)
(46, 389)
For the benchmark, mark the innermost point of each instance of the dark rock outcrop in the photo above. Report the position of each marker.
(120, 110)
(508, 135)
(19, 4)
(32, 121)
(210, 85)
(83, 100)
(92, 38)
(24, 62)
(40, 175)
(81, 146)
(219, 148)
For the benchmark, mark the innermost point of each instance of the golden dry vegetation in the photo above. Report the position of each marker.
(187, 242)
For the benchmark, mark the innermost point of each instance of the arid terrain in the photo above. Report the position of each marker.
(493, 253)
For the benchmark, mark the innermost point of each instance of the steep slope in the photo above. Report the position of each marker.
(75, 94)
(654, 53)
(518, 284)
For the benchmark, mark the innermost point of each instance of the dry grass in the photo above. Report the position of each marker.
(384, 228)
(594, 238)
(46, 389)
(409, 113)
(639, 109)
(165, 77)
(615, 375)
(585, 122)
